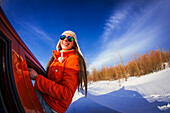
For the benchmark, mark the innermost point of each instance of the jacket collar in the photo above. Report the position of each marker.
(57, 54)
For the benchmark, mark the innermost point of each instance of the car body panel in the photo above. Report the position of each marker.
(21, 57)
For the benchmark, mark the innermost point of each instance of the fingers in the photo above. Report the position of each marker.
(33, 73)
(31, 69)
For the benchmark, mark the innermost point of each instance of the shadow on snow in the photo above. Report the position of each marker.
(125, 101)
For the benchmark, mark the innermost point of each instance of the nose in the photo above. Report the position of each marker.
(66, 39)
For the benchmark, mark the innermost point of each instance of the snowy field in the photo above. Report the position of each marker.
(145, 94)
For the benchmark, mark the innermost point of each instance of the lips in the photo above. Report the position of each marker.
(65, 44)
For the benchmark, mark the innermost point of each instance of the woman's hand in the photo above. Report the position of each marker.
(33, 73)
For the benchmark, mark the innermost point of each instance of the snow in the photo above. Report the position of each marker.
(164, 108)
(145, 94)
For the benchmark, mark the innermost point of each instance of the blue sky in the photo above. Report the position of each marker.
(104, 28)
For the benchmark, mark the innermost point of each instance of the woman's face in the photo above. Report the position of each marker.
(65, 44)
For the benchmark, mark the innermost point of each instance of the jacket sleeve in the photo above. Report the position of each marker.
(67, 87)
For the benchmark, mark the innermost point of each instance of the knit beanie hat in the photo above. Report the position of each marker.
(75, 39)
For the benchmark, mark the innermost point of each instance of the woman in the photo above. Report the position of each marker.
(65, 71)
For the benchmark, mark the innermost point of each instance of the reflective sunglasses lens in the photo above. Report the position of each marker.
(62, 37)
(70, 39)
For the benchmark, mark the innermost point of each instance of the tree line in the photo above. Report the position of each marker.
(139, 65)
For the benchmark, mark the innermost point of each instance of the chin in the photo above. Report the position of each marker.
(66, 48)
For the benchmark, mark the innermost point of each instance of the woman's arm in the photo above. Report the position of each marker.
(68, 85)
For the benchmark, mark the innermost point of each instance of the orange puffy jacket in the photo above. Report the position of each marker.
(59, 88)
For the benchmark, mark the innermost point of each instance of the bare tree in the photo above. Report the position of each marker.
(124, 73)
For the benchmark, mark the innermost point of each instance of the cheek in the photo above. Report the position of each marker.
(71, 44)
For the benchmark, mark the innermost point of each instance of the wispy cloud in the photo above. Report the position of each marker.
(143, 33)
(113, 22)
(40, 33)
(32, 30)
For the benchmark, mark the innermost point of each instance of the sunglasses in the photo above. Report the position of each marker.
(69, 38)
